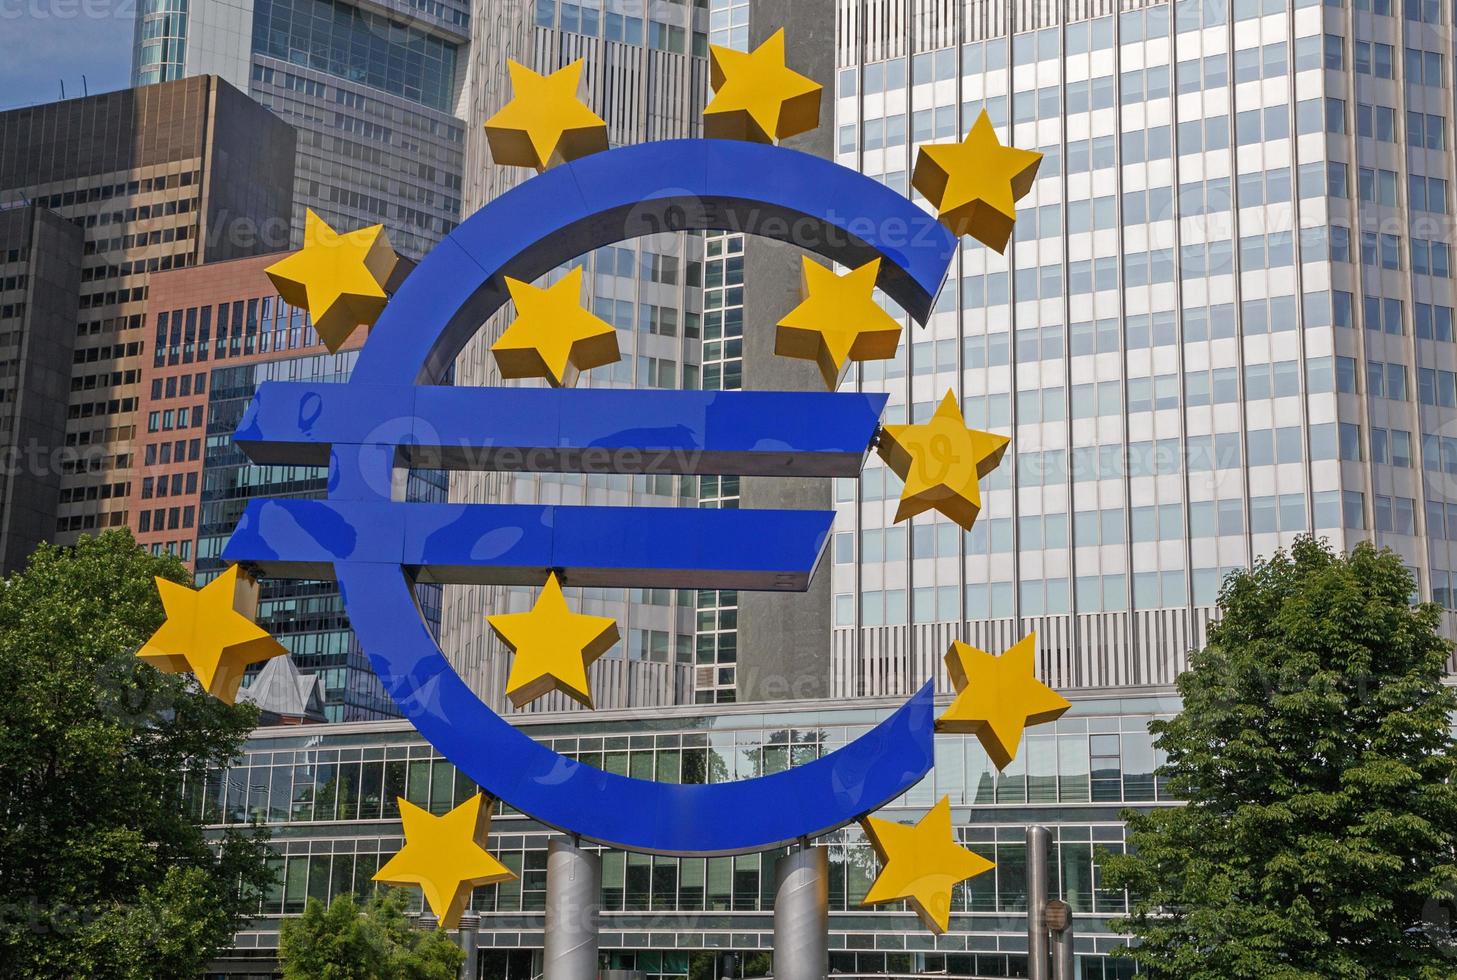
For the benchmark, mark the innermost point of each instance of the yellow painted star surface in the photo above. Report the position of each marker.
(210, 632)
(553, 336)
(975, 185)
(546, 122)
(941, 461)
(757, 97)
(446, 856)
(921, 864)
(553, 646)
(998, 697)
(838, 322)
(339, 279)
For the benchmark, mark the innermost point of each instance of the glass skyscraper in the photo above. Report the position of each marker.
(1224, 320)
(306, 617)
(647, 76)
(372, 90)
(716, 644)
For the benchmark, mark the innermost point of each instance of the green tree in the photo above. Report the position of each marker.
(102, 873)
(1315, 754)
(344, 942)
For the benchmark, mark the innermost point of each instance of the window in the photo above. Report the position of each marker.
(1429, 258)
(1424, 68)
(1376, 122)
(1432, 322)
(1423, 130)
(1427, 193)
(1346, 375)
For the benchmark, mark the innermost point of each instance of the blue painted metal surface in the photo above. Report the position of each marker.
(518, 544)
(604, 198)
(634, 814)
(375, 547)
(590, 430)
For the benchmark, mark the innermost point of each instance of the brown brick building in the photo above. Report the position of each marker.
(223, 314)
(159, 178)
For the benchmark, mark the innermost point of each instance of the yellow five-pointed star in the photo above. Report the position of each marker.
(940, 462)
(838, 322)
(546, 122)
(976, 185)
(757, 97)
(921, 864)
(998, 697)
(446, 856)
(553, 646)
(339, 279)
(553, 337)
(210, 632)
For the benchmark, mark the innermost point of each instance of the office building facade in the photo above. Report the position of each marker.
(647, 76)
(1223, 320)
(329, 797)
(165, 177)
(217, 332)
(716, 631)
(223, 314)
(372, 90)
(40, 289)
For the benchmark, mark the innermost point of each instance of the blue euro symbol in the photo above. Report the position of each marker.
(393, 413)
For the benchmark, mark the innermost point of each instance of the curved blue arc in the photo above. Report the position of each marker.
(649, 188)
(633, 814)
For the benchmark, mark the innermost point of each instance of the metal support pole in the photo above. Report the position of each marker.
(1037, 960)
(802, 914)
(573, 909)
(1064, 965)
(470, 924)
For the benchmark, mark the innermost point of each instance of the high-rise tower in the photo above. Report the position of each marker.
(647, 76)
(1225, 319)
(158, 178)
(372, 89)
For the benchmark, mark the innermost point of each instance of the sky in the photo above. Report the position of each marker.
(45, 41)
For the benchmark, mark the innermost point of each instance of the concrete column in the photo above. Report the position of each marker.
(426, 921)
(573, 908)
(1037, 959)
(802, 915)
(466, 935)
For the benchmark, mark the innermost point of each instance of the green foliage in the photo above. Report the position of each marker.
(102, 874)
(1315, 751)
(345, 942)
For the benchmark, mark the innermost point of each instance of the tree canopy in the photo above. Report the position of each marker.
(103, 874)
(1314, 749)
(343, 941)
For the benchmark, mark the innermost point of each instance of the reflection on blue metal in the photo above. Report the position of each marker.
(376, 546)
(518, 544)
(634, 814)
(570, 430)
(678, 185)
